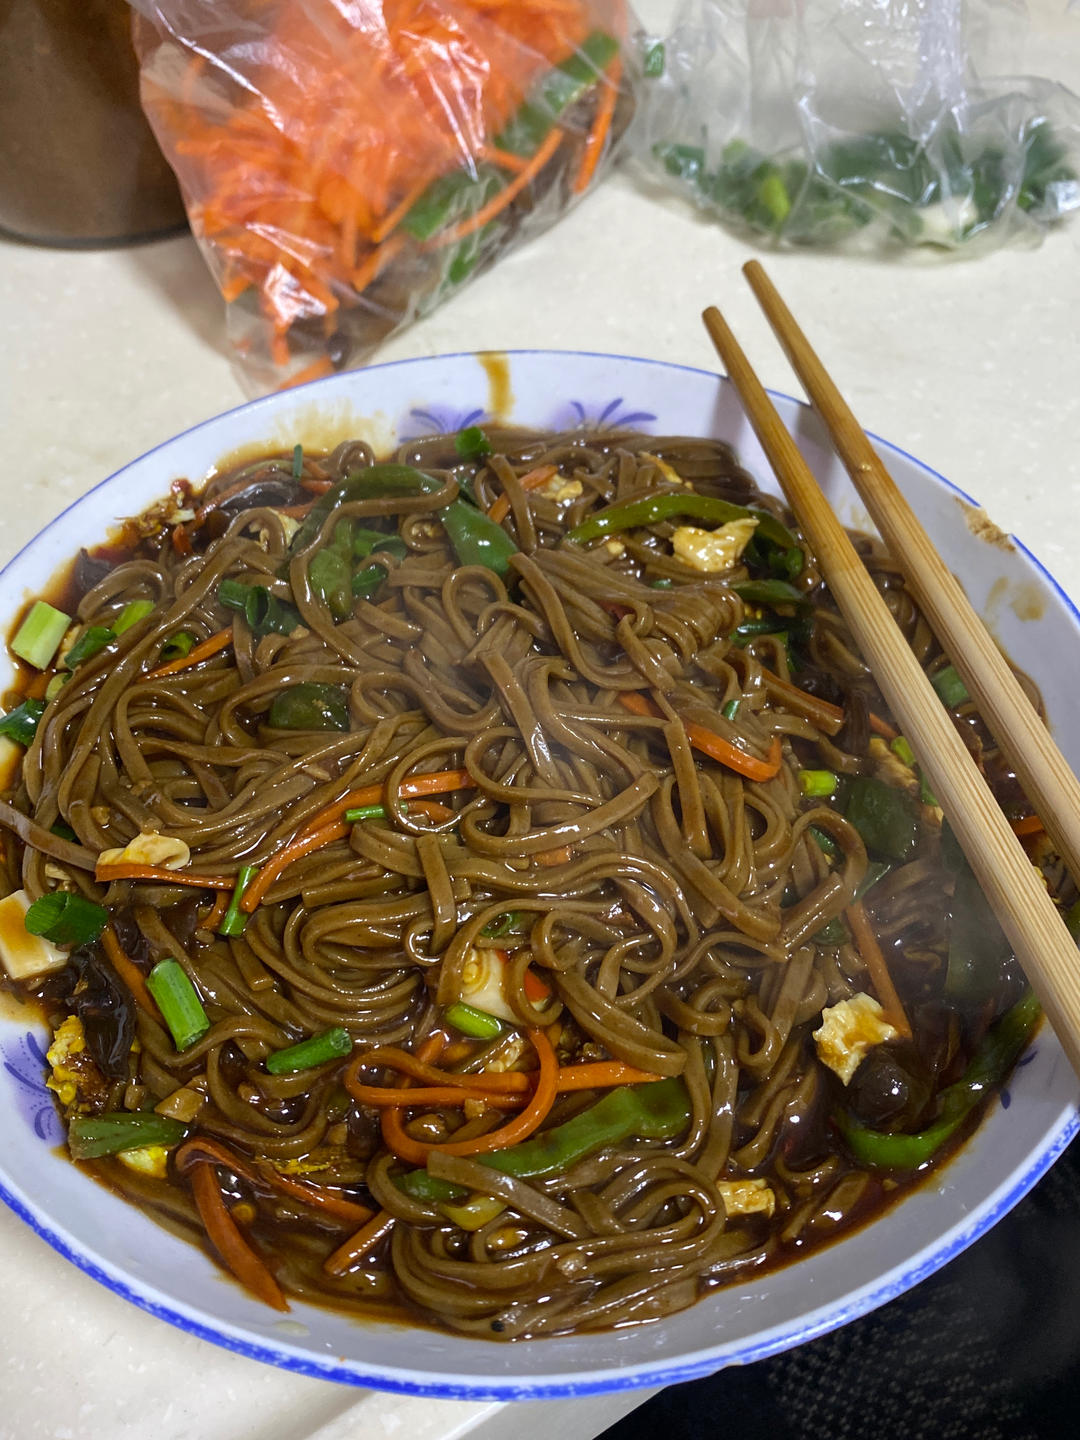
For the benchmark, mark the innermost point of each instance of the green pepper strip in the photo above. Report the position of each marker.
(658, 1110)
(310, 706)
(92, 1135)
(652, 509)
(994, 1057)
(476, 539)
(885, 817)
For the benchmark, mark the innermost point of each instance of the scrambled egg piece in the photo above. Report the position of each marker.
(152, 1160)
(747, 1197)
(713, 550)
(75, 1077)
(615, 548)
(849, 1030)
(670, 474)
(473, 1213)
(149, 850)
(558, 488)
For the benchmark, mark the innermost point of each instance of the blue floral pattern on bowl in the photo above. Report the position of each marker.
(24, 1059)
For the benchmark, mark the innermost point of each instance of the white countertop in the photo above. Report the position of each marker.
(971, 366)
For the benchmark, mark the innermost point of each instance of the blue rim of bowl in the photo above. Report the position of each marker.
(663, 1373)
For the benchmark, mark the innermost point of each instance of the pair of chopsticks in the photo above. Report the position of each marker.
(1042, 944)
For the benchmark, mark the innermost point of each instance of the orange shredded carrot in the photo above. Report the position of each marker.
(519, 1128)
(826, 716)
(374, 263)
(299, 846)
(217, 911)
(118, 871)
(531, 481)
(561, 856)
(234, 287)
(868, 947)
(181, 540)
(223, 1233)
(882, 727)
(434, 782)
(499, 202)
(315, 371)
(505, 159)
(1028, 825)
(212, 646)
(393, 218)
(129, 973)
(506, 1091)
(601, 127)
(264, 1174)
(360, 1244)
(711, 744)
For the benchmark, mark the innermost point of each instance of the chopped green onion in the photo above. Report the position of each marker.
(38, 637)
(903, 751)
(91, 642)
(132, 613)
(310, 706)
(503, 925)
(235, 919)
(875, 871)
(477, 1024)
(769, 592)
(731, 709)
(834, 932)
(178, 646)
(64, 918)
(366, 812)
(92, 1135)
(926, 795)
(64, 831)
(330, 1045)
(817, 782)
(664, 583)
(825, 841)
(56, 684)
(950, 687)
(653, 63)
(178, 1002)
(297, 461)
(233, 594)
(21, 723)
(471, 443)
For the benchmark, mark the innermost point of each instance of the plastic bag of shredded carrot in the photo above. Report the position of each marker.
(347, 164)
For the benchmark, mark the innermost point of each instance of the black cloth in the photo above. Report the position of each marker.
(986, 1349)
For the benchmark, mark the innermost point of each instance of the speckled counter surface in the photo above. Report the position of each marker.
(974, 367)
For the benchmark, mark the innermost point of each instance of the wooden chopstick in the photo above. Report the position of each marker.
(1049, 783)
(1014, 889)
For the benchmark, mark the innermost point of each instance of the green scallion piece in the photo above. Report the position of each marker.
(654, 60)
(817, 783)
(21, 723)
(664, 583)
(825, 841)
(235, 919)
(38, 637)
(471, 443)
(731, 709)
(503, 925)
(177, 646)
(950, 687)
(56, 684)
(361, 813)
(91, 642)
(297, 461)
(233, 594)
(65, 918)
(132, 613)
(178, 1002)
(330, 1045)
(477, 1024)
(903, 751)
(65, 832)
(926, 795)
(92, 1135)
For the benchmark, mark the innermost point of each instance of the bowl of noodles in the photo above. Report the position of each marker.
(470, 925)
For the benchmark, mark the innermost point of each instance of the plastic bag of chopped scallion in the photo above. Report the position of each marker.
(849, 123)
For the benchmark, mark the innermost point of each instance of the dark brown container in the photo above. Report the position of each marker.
(78, 162)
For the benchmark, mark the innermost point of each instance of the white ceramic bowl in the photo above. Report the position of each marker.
(1023, 1135)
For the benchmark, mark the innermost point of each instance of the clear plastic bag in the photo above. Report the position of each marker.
(346, 164)
(871, 124)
